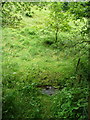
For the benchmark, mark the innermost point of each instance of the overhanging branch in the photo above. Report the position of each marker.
(79, 43)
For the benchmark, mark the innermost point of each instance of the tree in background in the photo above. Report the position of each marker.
(82, 10)
(58, 20)
(12, 12)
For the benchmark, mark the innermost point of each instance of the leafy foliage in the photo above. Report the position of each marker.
(70, 104)
(21, 103)
(57, 15)
(12, 12)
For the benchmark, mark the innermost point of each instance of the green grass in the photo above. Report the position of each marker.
(25, 53)
(27, 59)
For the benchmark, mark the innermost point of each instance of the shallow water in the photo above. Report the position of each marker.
(50, 91)
(47, 89)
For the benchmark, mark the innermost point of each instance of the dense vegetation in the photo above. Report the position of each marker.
(45, 44)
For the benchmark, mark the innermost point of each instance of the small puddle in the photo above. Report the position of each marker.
(48, 89)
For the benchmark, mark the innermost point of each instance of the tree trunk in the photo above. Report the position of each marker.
(77, 65)
(56, 36)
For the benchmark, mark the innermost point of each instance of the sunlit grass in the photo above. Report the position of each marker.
(33, 58)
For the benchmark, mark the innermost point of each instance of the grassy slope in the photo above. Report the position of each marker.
(25, 57)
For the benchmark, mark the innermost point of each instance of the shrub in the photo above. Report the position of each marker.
(70, 104)
(21, 103)
(9, 18)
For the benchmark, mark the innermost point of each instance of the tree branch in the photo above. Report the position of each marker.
(79, 43)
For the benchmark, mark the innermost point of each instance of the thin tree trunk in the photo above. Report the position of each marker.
(56, 36)
(77, 65)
